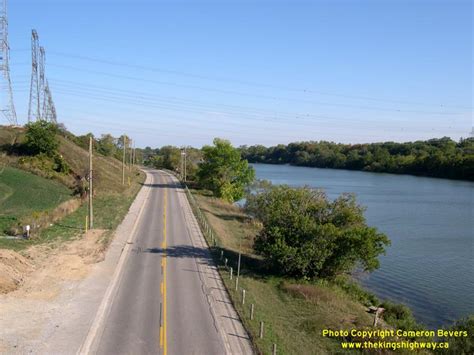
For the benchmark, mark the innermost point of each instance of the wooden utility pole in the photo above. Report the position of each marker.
(91, 211)
(123, 159)
(130, 158)
(185, 164)
(133, 154)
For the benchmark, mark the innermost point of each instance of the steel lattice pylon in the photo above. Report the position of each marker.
(41, 106)
(7, 106)
(34, 112)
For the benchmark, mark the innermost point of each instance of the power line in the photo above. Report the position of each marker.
(197, 108)
(248, 83)
(231, 92)
(172, 100)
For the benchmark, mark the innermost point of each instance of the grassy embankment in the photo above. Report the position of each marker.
(294, 313)
(47, 189)
(22, 194)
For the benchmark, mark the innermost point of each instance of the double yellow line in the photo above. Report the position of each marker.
(163, 344)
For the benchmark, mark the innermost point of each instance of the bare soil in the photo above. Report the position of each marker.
(39, 271)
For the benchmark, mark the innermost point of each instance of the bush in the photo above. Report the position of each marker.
(462, 345)
(357, 293)
(399, 316)
(306, 235)
(41, 138)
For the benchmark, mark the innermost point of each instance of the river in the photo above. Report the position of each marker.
(430, 264)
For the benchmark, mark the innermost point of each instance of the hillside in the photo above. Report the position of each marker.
(52, 203)
(22, 194)
(107, 170)
(33, 192)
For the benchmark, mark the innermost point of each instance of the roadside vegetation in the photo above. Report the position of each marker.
(43, 183)
(169, 157)
(441, 157)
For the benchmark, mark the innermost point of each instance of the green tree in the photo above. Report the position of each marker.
(107, 145)
(171, 157)
(41, 137)
(306, 235)
(223, 171)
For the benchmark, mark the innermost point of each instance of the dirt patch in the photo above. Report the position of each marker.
(39, 272)
(13, 270)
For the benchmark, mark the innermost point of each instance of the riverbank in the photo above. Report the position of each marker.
(429, 264)
(294, 313)
(437, 157)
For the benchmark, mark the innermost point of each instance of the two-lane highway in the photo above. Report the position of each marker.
(167, 297)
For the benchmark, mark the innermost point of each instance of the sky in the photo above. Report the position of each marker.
(254, 72)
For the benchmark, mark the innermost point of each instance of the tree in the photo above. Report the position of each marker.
(223, 171)
(306, 235)
(41, 137)
(107, 145)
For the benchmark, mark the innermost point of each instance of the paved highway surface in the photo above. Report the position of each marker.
(167, 297)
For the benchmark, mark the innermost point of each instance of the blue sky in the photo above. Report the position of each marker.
(183, 72)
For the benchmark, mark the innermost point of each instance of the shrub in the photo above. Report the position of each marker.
(41, 138)
(306, 235)
(461, 345)
(399, 315)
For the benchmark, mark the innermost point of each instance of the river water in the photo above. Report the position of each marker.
(430, 264)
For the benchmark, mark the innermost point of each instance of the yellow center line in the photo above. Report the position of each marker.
(163, 343)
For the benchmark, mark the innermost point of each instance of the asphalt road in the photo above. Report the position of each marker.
(168, 297)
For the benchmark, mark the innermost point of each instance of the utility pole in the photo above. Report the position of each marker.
(134, 154)
(185, 164)
(123, 159)
(130, 158)
(181, 169)
(8, 108)
(91, 211)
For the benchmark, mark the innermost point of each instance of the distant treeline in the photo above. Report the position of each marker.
(442, 157)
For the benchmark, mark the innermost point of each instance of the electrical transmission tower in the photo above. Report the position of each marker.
(50, 109)
(41, 81)
(7, 106)
(34, 105)
(41, 105)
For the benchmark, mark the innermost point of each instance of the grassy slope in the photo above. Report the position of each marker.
(294, 315)
(112, 199)
(107, 170)
(22, 193)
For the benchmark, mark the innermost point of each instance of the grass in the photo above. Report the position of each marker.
(294, 313)
(109, 210)
(22, 194)
(107, 170)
